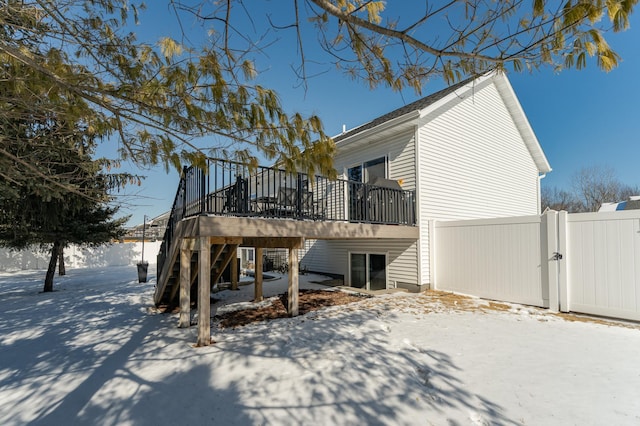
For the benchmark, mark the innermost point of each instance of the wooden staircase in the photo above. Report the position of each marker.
(223, 251)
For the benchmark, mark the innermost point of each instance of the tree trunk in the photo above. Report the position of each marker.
(48, 281)
(62, 270)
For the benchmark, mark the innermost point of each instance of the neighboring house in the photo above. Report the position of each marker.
(153, 229)
(633, 203)
(468, 151)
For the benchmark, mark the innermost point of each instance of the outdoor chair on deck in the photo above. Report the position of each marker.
(237, 197)
(307, 204)
(287, 201)
(315, 203)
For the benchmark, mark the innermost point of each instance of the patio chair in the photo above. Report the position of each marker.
(319, 204)
(237, 197)
(287, 201)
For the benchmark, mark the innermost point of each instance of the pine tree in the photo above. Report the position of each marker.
(78, 60)
(32, 216)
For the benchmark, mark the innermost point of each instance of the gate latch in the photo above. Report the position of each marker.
(556, 256)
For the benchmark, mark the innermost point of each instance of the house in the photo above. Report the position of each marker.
(152, 229)
(467, 151)
(633, 203)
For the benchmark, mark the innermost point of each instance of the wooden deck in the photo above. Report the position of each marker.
(204, 245)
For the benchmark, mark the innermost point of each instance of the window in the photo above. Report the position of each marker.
(247, 258)
(365, 172)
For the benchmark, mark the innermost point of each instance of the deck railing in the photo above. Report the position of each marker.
(233, 189)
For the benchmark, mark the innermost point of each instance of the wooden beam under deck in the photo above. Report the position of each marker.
(204, 293)
(253, 227)
(186, 251)
(293, 287)
(257, 289)
(225, 240)
(234, 269)
(273, 242)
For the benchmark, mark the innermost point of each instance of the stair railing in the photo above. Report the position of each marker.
(178, 211)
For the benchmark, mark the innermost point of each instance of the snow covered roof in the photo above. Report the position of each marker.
(633, 203)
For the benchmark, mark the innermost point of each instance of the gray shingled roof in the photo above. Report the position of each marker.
(414, 106)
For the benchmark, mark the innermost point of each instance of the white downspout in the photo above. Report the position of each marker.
(540, 177)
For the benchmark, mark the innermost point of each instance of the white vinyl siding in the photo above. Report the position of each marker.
(474, 163)
(315, 256)
(332, 256)
(402, 164)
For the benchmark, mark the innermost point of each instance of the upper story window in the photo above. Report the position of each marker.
(366, 171)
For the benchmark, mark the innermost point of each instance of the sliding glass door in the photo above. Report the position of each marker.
(377, 272)
(368, 271)
(363, 173)
(359, 270)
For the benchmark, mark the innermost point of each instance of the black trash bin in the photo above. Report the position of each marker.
(142, 272)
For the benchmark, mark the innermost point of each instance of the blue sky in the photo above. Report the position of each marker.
(581, 118)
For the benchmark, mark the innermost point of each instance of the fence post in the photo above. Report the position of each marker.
(549, 264)
(432, 254)
(563, 270)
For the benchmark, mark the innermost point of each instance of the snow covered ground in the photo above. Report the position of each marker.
(95, 352)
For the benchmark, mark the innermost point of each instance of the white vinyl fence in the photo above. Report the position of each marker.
(492, 258)
(603, 264)
(117, 254)
(587, 262)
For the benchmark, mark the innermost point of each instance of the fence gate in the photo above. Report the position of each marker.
(603, 262)
(497, 259)
(586, 262)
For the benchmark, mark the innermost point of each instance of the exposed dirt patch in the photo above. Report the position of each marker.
(465, 303)
(596, 320)
(495, 306)
(165, 308)
(308, 301)
(451, 300)
(431, 301)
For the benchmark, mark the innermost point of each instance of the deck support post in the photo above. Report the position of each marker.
(185, 285)
(204, 293)
(293, 289)
(257, 292)
(234, 269)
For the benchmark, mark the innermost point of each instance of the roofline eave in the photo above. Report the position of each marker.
(408, 117)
